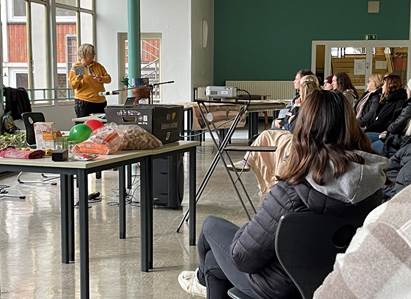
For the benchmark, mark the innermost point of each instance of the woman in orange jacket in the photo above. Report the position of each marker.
(87, 77)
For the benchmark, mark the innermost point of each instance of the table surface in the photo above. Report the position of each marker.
(102, 159)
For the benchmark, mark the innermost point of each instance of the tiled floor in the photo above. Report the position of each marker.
(30, 262)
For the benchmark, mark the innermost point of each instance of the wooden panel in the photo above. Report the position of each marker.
(17, 42)
(62, 30)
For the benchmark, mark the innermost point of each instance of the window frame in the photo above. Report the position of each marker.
(54, 67)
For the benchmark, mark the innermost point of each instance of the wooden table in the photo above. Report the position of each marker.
(81, 169)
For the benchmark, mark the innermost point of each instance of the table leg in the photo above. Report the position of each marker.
(122, 201)
(84, 236)
(64, 219)
(70, 197)
(192, 196)
(190, 125)
(252, 127)
(150, 211)
(146, 203)
(129, 177)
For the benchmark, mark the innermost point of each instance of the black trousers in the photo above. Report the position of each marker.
(84, 108)
(217, 270)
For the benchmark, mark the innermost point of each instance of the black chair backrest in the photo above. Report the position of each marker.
(29, 118)
(306, 245)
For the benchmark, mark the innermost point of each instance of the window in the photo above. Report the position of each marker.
(150, 60)
(72, 16)
(63, 91)
(71, 48)
(22, 80)
(19, 8)
(65, 12)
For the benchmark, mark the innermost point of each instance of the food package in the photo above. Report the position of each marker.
(45, 134)
(136, 138)
(104, 141)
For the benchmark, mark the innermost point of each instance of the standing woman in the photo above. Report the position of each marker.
(87, 77)
(342, 83)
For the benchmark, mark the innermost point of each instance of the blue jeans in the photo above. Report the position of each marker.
(376, 144)
(217, 270)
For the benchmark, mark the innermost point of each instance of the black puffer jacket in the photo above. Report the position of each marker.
(389, 109)
(399, 171)
(358, 191)
(399, 124)
(370, 107)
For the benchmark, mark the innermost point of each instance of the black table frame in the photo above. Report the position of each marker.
(146, 207)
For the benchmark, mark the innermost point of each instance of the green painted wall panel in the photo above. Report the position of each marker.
(270, 40)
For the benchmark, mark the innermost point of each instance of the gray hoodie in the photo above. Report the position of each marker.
(361, 181)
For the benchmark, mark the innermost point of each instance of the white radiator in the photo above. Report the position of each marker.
(276, 90)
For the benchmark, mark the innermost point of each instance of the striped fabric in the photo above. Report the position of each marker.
(377, 264)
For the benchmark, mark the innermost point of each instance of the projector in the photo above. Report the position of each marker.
(221, 92)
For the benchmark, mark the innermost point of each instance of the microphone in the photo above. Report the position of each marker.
(108, 93)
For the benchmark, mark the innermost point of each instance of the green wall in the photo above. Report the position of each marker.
(270, 39)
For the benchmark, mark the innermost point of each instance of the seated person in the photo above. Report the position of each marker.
(285, 122)
(266, 165)
(391, 103)
(396, 135)
(331, 170)
(398, 172)
(377, 264)
(341, 82)
(369, 102)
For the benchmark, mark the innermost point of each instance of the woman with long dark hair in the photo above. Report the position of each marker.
(341, 82)
(331, 170)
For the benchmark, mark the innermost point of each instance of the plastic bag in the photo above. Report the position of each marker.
(136, 138)
(104, 141)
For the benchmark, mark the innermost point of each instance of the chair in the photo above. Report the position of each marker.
(29, 118)
(306, 245)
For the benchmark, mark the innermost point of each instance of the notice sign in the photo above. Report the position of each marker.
(359, 66)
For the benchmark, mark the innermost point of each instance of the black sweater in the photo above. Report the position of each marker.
(398, 126)
(389, 109)
(370, 107)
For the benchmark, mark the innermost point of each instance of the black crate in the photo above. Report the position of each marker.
(163, 121)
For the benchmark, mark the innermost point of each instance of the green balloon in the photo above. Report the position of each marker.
(79, 133)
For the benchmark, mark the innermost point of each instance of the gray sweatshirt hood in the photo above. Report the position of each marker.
(361, 181)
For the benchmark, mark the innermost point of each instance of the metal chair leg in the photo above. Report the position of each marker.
(44, 179)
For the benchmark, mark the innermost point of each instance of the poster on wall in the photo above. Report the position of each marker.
(359, 67)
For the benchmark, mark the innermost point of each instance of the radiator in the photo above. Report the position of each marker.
(276, 90)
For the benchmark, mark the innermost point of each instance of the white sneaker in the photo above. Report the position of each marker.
(239, 166)
(189, 282)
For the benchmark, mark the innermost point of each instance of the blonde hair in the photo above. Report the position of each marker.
(86, 50)
(308, 84)
(377, 79)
